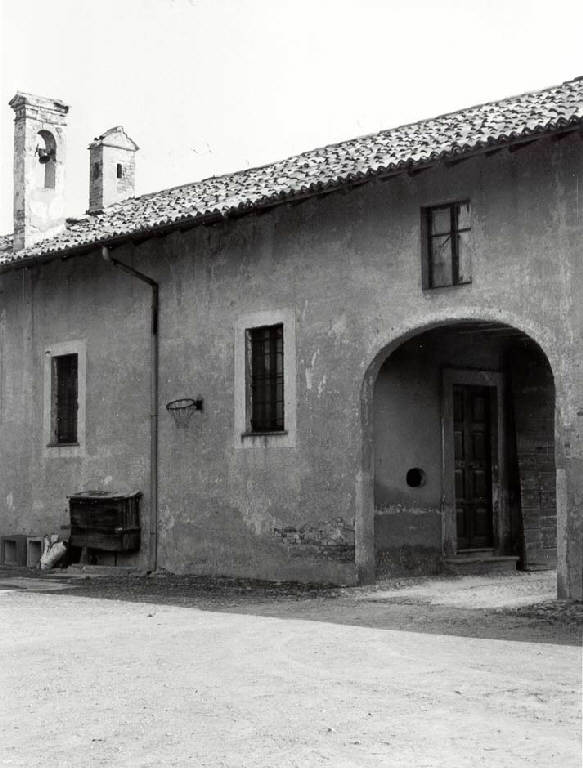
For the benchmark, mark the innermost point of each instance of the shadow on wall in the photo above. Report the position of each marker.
(407, 541)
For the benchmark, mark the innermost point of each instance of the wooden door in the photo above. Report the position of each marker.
(473, 466)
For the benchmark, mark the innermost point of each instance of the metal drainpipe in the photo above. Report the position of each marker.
(153, 541)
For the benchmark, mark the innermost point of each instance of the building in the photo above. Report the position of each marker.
(382, 341)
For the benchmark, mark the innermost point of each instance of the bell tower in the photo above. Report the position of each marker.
(112, 168)
(39, 167)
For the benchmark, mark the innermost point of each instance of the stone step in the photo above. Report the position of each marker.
(548, 565)
(102, 570)
(481, 562)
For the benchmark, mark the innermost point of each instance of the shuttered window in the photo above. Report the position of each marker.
(64, 385)
(265, 357)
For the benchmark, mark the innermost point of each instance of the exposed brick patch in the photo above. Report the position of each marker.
(333, 539)
(533, 401)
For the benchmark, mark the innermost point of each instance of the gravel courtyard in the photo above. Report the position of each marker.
(170, 671)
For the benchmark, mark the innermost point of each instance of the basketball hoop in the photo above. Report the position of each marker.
(182, 409)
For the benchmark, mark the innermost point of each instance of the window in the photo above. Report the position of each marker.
(96, 170)
(265, 355)
(64, 399)
(119, 171)
(447, 245)
(264, 384)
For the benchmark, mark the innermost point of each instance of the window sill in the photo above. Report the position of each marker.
(271, 433)
(63, 445)
(428, 289)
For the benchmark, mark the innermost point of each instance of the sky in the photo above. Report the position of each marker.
(206, 87)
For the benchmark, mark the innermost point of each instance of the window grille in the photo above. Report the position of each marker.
(266, 359)
(64, 399)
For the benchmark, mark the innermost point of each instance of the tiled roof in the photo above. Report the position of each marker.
(5, 248)
(314, 172)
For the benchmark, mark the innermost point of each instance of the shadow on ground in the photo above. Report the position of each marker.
(519, 607)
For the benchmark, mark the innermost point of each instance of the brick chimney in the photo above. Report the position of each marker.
(112, 168)
(39, 167)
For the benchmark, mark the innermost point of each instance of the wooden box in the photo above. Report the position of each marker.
(13, 550)
(105, 521)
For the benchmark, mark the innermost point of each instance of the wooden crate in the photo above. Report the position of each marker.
(13, 550)
(105, 521)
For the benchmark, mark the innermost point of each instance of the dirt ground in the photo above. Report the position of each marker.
(181, 671)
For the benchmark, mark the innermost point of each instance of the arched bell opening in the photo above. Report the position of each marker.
(46, 153)
(461, 452)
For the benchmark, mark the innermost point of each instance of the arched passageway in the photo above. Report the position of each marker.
(462, 458)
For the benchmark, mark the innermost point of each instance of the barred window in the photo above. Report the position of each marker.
(265, 357)
(448, 245)
(64, 399)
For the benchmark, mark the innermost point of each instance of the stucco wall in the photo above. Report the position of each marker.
(349, 266)
(72, 301)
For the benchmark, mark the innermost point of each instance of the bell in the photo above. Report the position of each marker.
(44, 155)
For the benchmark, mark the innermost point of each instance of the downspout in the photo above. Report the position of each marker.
(153, 533)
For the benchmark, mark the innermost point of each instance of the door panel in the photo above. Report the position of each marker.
(473, 470)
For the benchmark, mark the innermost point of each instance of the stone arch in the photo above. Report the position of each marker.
(415, 327)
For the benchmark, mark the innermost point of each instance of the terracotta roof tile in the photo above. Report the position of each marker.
(312, 172)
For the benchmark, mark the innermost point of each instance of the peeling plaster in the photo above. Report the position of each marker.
(254, 513)
(166, 520)
(339, 327)
(309, 371)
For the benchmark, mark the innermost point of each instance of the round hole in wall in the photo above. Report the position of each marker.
(415, 477)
